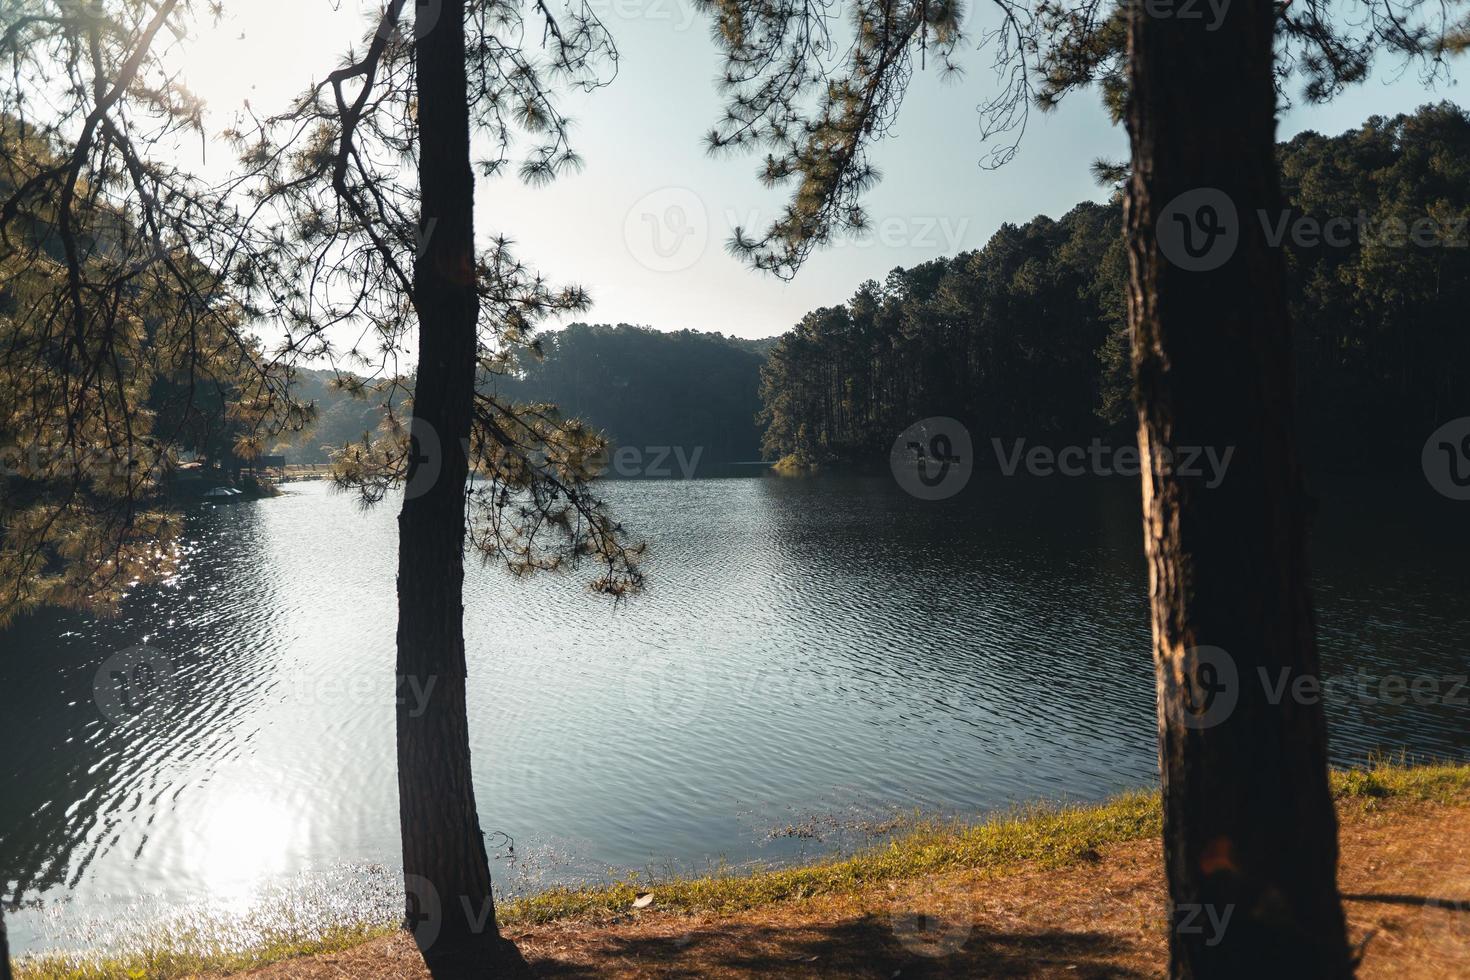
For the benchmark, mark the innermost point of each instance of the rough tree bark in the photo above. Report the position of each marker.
(447, 874)
(4, 945)
(1250, 830)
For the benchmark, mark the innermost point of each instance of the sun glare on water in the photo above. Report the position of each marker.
(245, 842)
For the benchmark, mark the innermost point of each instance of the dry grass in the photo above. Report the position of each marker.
(1405, 874)
(1071, 891)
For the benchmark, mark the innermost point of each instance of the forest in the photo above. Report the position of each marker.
(1028, 336)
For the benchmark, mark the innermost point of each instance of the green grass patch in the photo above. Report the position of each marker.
(1036, 836)
(1397, 779)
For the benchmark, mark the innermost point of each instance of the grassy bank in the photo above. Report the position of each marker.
(794, 465)
(1034, 837)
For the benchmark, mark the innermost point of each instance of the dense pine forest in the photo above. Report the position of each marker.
(1026, 337)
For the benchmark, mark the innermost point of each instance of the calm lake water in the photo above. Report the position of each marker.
(812, 658)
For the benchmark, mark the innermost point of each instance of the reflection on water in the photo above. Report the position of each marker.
(828, 649)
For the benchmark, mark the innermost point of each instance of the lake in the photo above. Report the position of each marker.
(812, 659)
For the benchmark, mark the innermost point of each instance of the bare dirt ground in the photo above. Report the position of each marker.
(1404, 874)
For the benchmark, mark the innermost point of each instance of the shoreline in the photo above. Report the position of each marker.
(1036, 842)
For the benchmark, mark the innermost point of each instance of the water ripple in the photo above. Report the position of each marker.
(805, 648)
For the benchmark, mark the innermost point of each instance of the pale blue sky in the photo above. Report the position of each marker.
(647, 171)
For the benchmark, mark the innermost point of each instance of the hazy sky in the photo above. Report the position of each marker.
(644, 226)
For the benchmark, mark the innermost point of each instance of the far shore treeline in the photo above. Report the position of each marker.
(645, 389)
(1026, 338)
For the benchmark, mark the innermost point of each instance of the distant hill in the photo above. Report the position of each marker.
(647, 390)
(340, 419)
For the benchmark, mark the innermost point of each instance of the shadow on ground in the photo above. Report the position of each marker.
(1448, 904)
(864, 947)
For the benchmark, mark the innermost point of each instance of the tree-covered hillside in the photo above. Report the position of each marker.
(646, 390)
(1027, 337)
(340, 419)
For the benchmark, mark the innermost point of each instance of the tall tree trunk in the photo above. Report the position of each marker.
(1249, 827)
(450, 906)
(4, 944)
